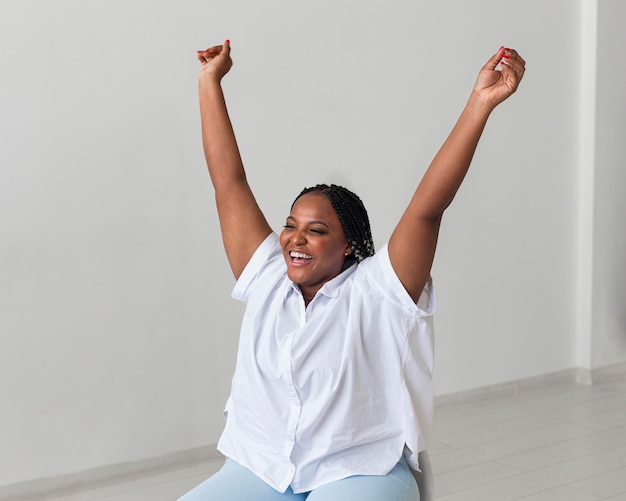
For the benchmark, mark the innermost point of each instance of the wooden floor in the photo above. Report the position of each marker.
(560, 441)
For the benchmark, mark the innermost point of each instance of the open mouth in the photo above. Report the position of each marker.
(299, 257)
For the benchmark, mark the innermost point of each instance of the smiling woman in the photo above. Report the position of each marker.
(320, 241)
(332, 393)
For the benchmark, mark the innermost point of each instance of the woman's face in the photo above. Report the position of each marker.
(314, 243)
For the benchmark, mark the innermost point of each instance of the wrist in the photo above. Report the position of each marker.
(207, 79)
(478, 104)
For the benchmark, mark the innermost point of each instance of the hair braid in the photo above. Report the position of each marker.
(352, 216)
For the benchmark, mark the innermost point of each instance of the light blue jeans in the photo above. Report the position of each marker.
(236, 483)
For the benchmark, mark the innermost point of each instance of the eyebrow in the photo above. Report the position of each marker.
(310, 222)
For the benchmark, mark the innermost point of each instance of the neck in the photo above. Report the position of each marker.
(308, 295)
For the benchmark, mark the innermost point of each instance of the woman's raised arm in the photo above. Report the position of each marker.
(414, 240)
(242, 223)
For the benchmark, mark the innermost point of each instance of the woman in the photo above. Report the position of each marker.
(332, 394)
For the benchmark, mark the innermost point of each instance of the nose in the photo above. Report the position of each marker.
(298, 237)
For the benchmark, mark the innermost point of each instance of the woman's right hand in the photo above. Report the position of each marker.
(216, 62)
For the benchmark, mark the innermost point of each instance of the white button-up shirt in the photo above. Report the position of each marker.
(339, 388)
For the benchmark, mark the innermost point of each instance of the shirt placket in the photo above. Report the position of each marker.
(295, 405)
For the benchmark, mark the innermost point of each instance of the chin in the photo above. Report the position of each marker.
(297, 278)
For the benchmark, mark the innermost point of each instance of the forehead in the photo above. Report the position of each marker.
(314, 206)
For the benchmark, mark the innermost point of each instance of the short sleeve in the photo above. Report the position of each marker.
(268, 251)
(382, 271)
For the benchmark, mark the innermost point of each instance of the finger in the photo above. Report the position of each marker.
(221, 51)
(495, 59)
(204, 56)
(224, 55)
(513, 61)
(515, 55)
(211, 51)
(226, 48)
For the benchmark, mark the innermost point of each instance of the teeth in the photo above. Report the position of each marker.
(300, 255)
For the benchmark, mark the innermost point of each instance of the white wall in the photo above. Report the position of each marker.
(504, 269)
(609, 259)
(118, 334)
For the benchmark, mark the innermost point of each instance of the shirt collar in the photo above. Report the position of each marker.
(330, 288)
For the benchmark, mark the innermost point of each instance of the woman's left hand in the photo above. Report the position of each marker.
(494, 86)
(216, 61)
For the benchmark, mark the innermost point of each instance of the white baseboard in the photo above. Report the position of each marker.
(579, 375)
(505, 390)
(105, 476)
(615, 372)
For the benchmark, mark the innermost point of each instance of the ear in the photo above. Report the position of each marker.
(348, 250)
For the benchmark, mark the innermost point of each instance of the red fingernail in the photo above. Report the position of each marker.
(506, 57)
(228, 42)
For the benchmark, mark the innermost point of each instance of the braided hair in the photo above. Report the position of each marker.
(352, 216)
